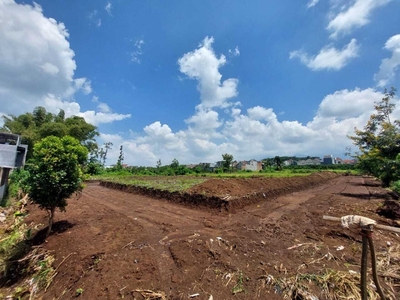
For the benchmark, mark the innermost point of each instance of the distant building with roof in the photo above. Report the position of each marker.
(329, 160)
(12, 155)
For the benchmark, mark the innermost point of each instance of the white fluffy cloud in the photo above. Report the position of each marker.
(218, 126)
(346, 104)
(37, 65)
(329, 58)
(104, 115)
(206, 120)
(203, 65)
(353, 16)
(389, 66)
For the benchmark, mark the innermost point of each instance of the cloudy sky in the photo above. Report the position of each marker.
(195, 79)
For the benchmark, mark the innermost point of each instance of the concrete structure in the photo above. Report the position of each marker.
(251, 165)
(12, 155)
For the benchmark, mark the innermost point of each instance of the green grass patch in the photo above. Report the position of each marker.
(184, 182)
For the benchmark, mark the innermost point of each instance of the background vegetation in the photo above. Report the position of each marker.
(379, 143)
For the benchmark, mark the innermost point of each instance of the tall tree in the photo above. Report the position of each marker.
(227, 160)
(268, 162)
(278, 163)
(158, 164)
(103, 153)
(120, 158)
(379, 141)
(55, 173)
(174, 164)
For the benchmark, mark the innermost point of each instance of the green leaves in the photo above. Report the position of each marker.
(379, 142)
(227, 161)
(40, 124)
(55, 171)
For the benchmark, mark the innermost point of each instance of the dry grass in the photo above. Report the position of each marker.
(35, 268)
(388, 265)
(39, 272)
(335, 284)
(151, 295)
(330, 284)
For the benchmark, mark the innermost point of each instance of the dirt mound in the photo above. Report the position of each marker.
(391, 209)
(230, 193)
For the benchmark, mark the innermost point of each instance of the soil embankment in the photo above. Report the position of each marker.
(230, 193)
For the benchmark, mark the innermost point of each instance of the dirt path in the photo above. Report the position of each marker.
(117, 243)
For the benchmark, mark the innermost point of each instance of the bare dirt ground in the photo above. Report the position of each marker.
(116, 245)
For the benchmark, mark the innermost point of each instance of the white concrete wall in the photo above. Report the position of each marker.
(251, 165)
(8, 156)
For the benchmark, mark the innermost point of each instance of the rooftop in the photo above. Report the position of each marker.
(12, 139)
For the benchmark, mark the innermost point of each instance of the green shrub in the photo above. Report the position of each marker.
(396, 186)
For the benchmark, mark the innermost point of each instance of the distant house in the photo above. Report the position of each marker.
(12, 155)
(329, 160)
(251, 165)
(339, 161)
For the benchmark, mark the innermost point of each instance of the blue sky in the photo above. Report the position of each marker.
(195, 79)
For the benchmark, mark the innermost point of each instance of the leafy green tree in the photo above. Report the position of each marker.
(268, 163)
(379, 142)
(175, 164)
(60, 116)
(53, 128)
(40, 116)
(39, 124)
(80, 129)
(278, 163)
(227, 162)
(55, 173)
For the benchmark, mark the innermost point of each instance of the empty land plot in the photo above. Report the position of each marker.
(115, 245)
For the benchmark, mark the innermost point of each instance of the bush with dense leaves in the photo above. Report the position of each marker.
(55, 172)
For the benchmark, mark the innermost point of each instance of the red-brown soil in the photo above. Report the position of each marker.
(112, 244)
